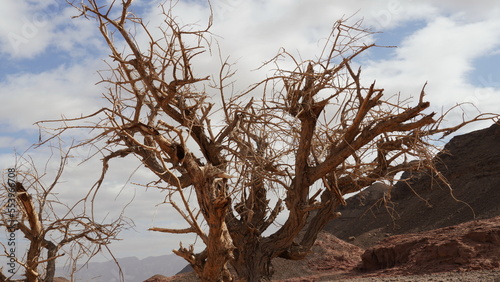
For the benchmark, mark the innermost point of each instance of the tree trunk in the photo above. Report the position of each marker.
(34, 233)
(51, 263)
(32, 259)
(219, 246)
(253, 265)
(218, 253)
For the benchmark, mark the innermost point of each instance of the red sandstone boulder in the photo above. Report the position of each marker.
(468, 246)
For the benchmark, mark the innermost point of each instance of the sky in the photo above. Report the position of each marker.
(49, 65)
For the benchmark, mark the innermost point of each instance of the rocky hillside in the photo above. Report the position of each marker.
(468, 246)
(470, 163)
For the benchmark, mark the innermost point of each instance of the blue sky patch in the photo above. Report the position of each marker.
(393, 37)
(51, 58)
(486, 71)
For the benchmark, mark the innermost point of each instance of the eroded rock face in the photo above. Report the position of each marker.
(468, 246)
(332, 253)
(470, 163)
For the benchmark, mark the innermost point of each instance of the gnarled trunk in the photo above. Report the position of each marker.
(34, 233)
(252, 264)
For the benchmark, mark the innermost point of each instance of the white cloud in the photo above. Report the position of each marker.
(442, 54)
(25, 27)
(28, 28)
(29, 97)
(12, 142)
(467, 10)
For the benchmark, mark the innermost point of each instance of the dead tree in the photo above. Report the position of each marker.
(297, 141)
(50, 225)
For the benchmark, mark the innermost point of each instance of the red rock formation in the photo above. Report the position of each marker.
(468, 246)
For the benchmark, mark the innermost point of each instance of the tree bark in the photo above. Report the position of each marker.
(51, 263)
(252, 264)
(35, 233)
(219, 245)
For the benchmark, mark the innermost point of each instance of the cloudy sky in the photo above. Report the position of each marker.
(49, 64)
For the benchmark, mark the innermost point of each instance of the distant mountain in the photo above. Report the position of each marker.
(134, 269)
